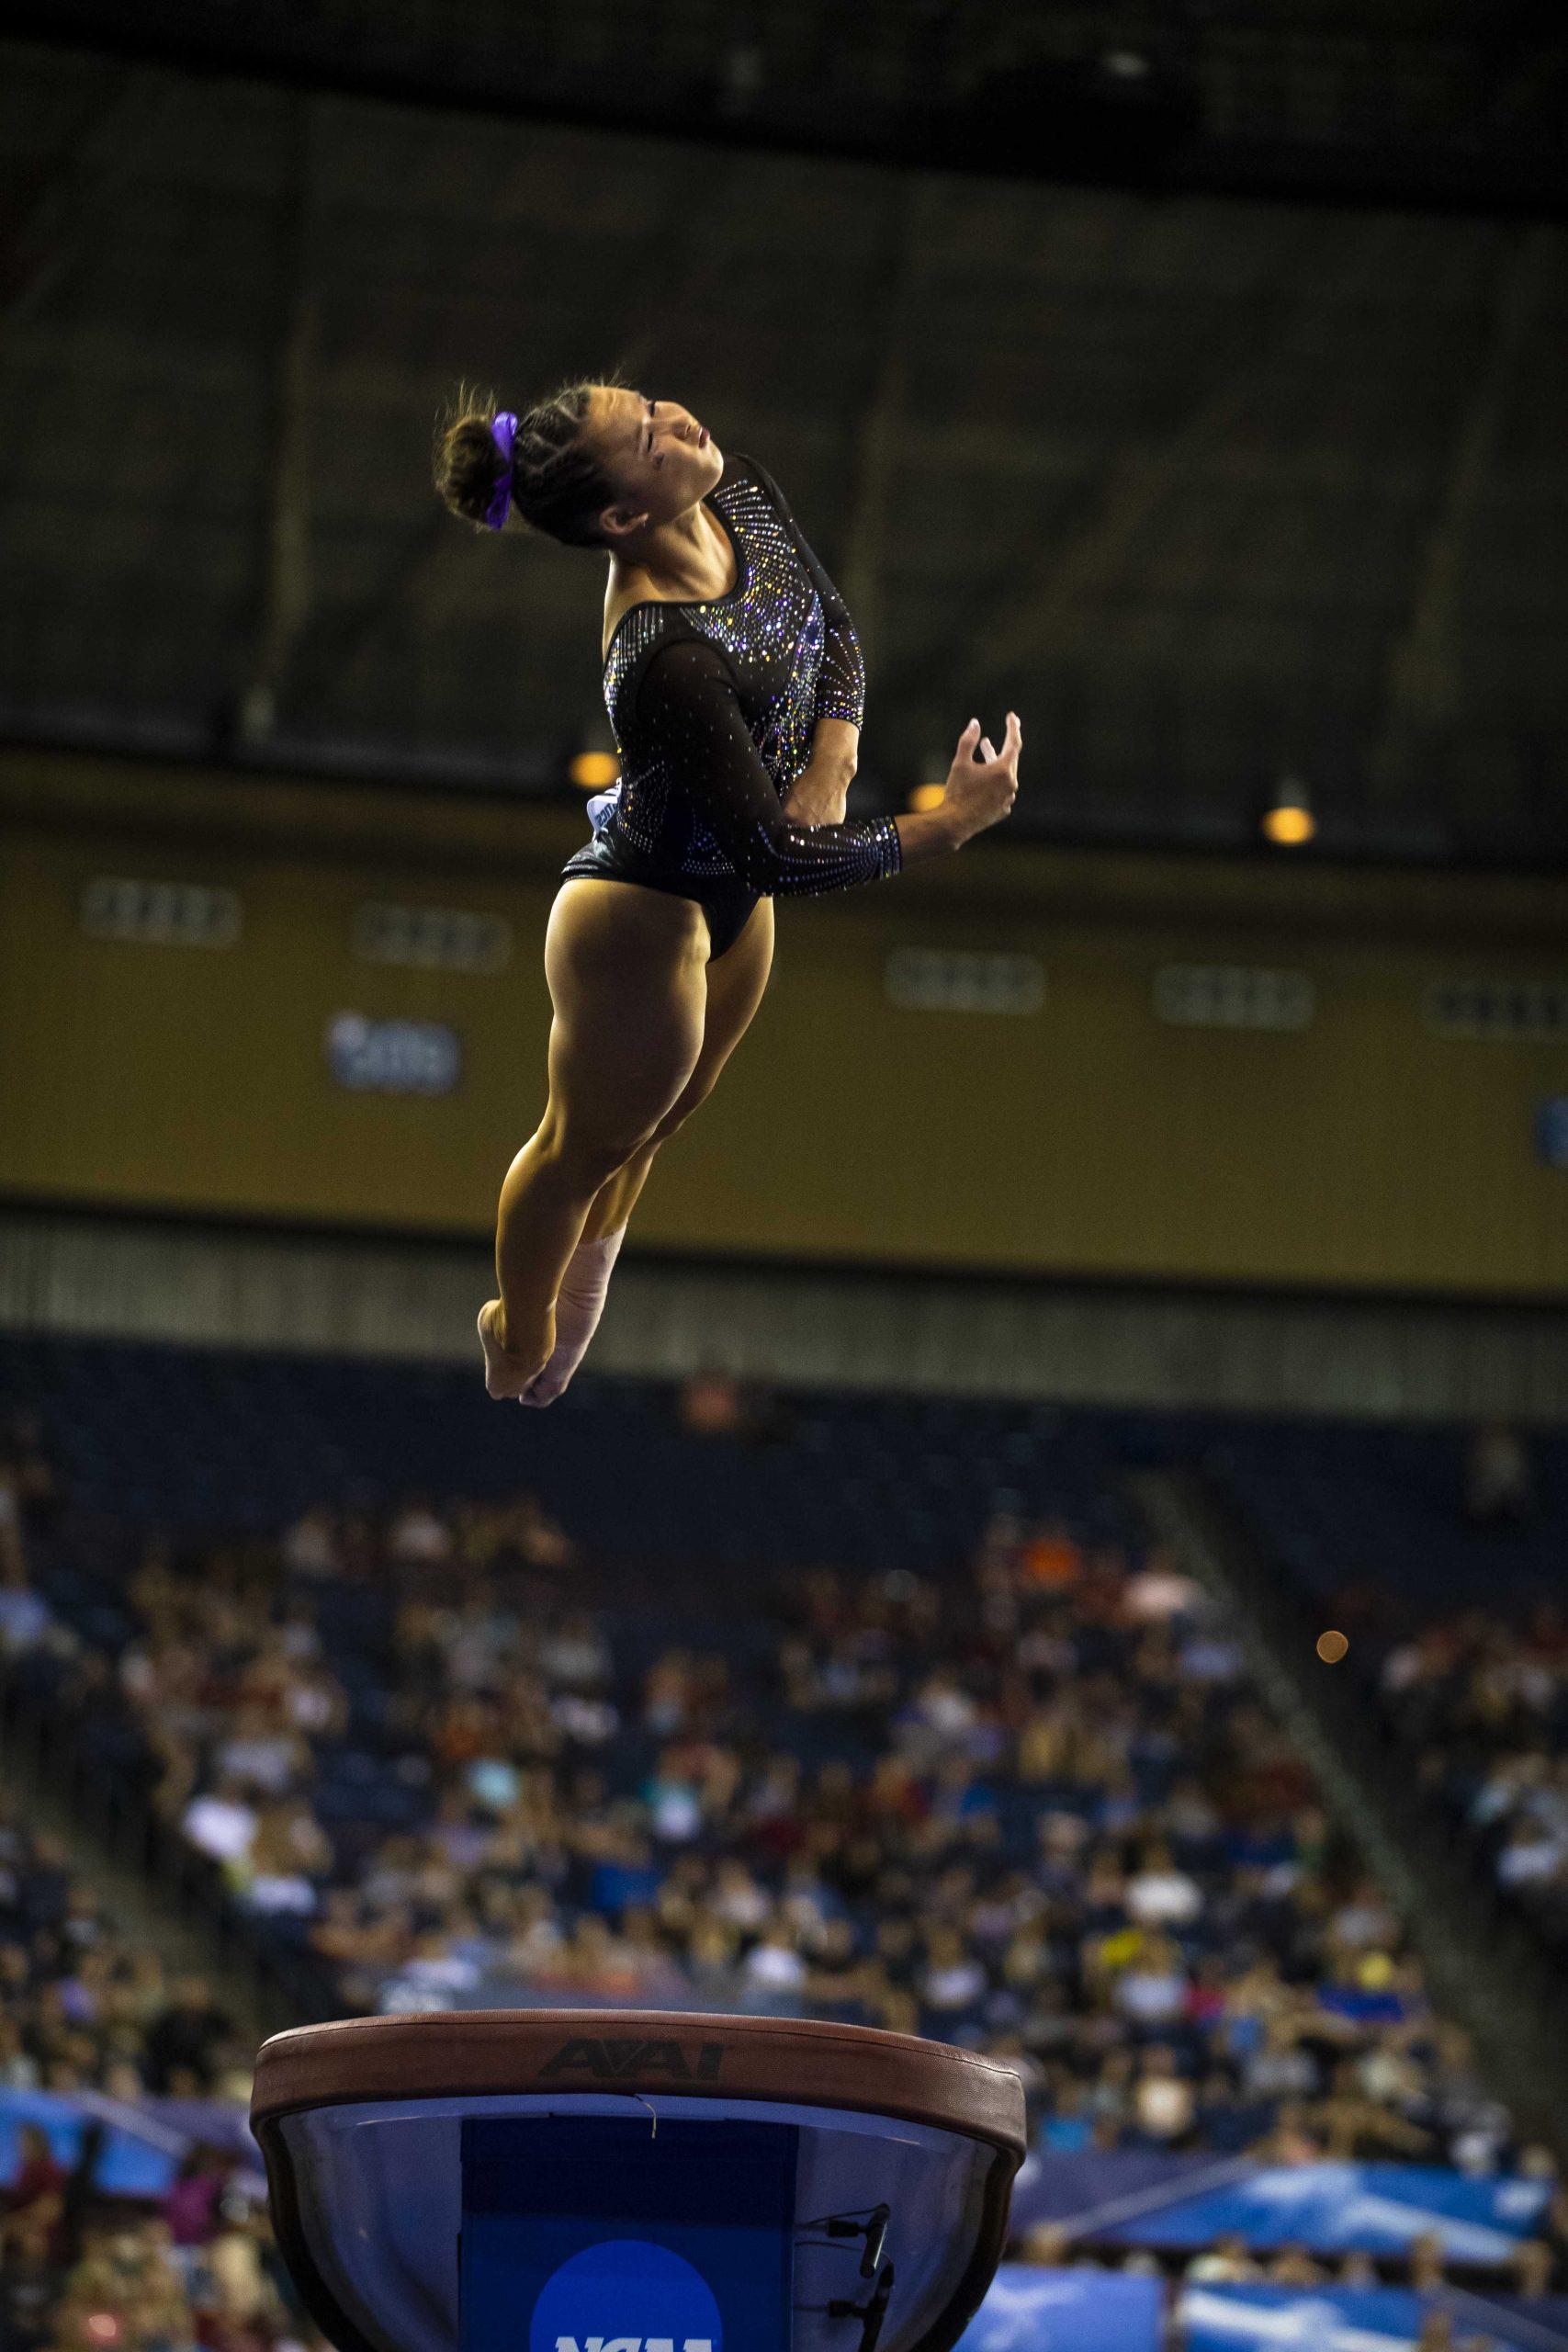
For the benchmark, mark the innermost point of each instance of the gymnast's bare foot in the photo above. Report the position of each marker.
(507, 1374)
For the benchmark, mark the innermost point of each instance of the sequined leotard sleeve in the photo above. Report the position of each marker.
(840, 682)
(840, 685)
(690, 705)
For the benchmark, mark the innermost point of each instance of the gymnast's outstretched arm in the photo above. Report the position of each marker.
(687, 702)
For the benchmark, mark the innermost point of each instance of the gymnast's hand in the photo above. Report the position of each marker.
(982, 783)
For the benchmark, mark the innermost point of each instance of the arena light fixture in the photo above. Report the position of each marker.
(1290, 823)
(927, 796)
(592, 771)
(529, 2181)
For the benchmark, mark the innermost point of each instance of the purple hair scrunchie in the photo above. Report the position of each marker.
(503, 433)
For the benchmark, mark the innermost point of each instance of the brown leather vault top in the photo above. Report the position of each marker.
(491, 2052)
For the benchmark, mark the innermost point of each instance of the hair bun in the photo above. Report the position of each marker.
(543, 466)
(469, 473)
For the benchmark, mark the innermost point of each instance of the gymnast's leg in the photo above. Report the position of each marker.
(626, 973)
(736, 982)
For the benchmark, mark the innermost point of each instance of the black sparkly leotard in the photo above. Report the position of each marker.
(713, 707)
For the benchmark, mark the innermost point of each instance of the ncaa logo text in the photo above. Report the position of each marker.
(635, 2343)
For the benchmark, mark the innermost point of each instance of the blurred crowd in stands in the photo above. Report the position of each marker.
(197, 2272)
(1036, 1807)
(1482, 1702)
(83, 2006)
(86, 2005)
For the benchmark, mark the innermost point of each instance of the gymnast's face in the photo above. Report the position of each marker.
(660, 459)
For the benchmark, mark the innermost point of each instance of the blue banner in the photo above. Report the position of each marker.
(1343, 2319)
(1065, 2311)
(144, 2142)
(1145, 2199)
(1344, 2208)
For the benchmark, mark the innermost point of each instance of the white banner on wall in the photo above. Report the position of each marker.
(393, 1057)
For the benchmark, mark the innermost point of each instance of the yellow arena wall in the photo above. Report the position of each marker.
(1081, 1135)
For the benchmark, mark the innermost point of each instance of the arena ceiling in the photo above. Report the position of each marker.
(1214, 491)
(1434, 101)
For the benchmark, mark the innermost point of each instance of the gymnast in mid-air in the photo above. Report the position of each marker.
(735, 691)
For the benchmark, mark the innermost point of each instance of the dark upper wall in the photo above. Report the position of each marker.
(1362, 100)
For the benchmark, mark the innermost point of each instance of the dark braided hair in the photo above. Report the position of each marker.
(558, 484)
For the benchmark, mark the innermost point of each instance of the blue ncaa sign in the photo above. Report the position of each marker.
(594, 2233)
(626, 2295)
